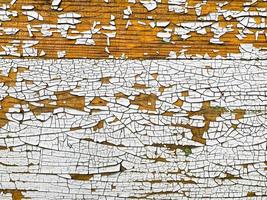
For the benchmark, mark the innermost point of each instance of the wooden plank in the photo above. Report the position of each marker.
(110, 129)
(141, 41)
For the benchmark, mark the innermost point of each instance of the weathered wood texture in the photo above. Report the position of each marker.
(190, 26)
(98, 129)
(139, 128)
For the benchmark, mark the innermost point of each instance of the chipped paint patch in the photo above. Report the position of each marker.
(178, 129)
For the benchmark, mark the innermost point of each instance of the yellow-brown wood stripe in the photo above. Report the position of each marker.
(138, 41)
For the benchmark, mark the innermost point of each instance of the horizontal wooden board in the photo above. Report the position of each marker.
(194, 27)
(109, 129)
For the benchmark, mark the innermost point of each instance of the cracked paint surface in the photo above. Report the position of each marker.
(131, 28)
(131, 129)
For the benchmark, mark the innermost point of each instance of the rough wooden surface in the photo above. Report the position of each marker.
(192, 27)
(116, 129)
(192, 126)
